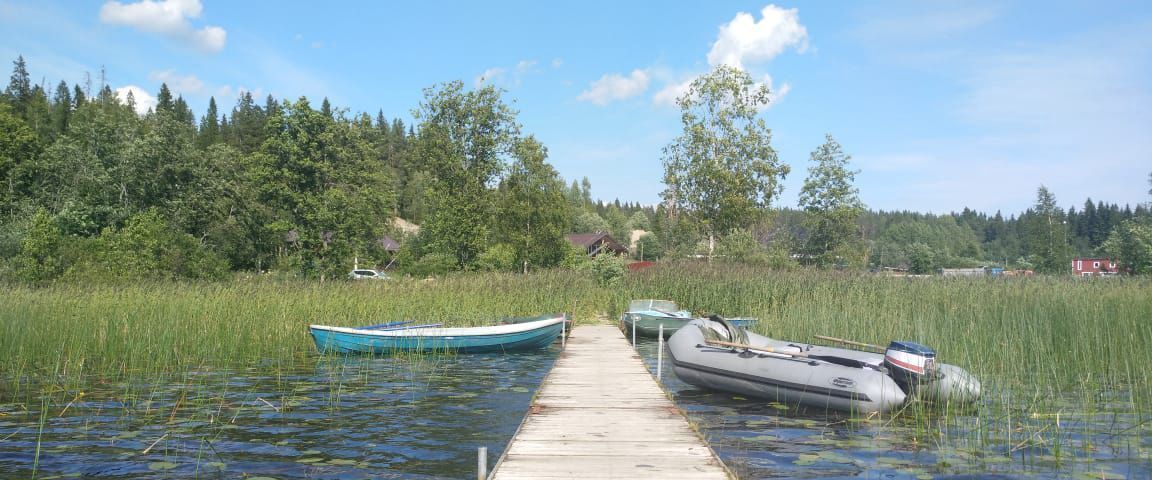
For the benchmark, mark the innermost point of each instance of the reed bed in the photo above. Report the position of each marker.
(65, 333)
(1062, 360)
(1064, 329)
(1059, 357)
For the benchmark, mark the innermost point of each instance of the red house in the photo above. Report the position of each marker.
(1094, 267)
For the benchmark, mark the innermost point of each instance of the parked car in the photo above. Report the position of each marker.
(366, 274)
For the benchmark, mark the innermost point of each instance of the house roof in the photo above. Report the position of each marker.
(589, 240)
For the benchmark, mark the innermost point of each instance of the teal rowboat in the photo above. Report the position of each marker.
(435, 338)
(648, 315)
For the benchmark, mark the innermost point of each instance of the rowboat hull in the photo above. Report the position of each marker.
(499, 338)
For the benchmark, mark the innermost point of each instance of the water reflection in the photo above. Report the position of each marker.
(413, 417)
(760, 440)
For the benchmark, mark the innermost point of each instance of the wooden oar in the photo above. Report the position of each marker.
(754, 348)
(850, 342)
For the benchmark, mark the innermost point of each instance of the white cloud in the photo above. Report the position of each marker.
(745, 40)
(143, 100)
(779, 93)
(1031, 114)
(491, 76)
(928, 21)
(179, 84)
(613, 86)
(671, 93)
(774, 94)
(557, 62)
(257, 93)
(166, 17)
(507, 77)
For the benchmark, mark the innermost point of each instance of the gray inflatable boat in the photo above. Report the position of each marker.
(713, 354)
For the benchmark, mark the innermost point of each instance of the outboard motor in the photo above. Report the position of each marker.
(910, 364)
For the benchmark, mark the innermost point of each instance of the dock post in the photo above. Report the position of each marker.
(633, 333)
(660, 355)
(564, 333)
(482, 463)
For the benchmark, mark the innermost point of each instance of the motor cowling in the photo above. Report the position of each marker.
(910, 364)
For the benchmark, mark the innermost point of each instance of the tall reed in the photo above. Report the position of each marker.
(1042, 334)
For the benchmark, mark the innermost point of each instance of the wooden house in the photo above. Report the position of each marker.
(596, 243)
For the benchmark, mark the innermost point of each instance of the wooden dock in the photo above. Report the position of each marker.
(600, 414)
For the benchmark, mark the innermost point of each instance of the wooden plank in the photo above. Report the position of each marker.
(614, 467)
(600, 414)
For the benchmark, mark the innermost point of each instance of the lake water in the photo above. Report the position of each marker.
(333, 418)
(424, 417)
(759, 440)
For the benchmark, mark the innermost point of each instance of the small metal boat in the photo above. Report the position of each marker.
(646, 317)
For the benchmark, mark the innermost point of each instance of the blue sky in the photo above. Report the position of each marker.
(942, 105)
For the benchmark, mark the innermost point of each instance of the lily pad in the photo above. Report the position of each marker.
(761, 438)
(341, 461)
(156, 466)
(806, 459)
(834, 457)
(1101, 475)
(309, 460)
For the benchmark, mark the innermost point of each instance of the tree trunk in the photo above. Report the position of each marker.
(711, 245)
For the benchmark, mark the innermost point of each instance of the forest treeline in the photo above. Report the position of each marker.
(91, 191)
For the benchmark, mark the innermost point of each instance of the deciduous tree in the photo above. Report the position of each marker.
(533, 213)
(832, 206)
(465, 138)
(722, 170)
(1047, 239)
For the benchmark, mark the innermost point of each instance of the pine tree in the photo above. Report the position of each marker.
(164, 102)
(209, 125)
(248, 123)
(19, 87)
(326, 109)
(78, 98)
(183, 113)
(61, 108)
